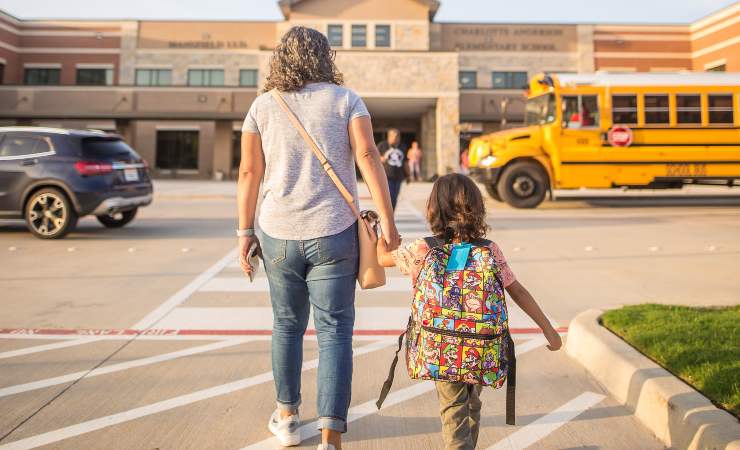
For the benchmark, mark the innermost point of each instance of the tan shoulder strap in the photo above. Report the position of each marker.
(316, 151)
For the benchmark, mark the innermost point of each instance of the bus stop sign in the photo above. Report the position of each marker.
(620, 136)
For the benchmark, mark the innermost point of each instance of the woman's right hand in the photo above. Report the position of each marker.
(390, 233)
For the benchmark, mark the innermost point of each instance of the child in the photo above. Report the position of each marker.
(456, 213)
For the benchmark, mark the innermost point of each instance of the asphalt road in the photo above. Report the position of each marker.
(76, 370)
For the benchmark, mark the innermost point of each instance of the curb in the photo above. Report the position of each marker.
(678, 415)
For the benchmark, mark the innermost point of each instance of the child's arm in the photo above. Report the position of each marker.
(524, 299)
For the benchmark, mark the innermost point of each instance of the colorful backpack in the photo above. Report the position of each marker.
(458, 330)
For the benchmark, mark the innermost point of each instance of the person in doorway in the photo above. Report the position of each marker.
(414, 156)
(308, 236)
(394, 162)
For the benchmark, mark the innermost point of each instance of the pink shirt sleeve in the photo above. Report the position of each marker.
(507, 276)
(409, 258)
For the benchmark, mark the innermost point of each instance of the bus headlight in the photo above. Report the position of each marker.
(488, 161)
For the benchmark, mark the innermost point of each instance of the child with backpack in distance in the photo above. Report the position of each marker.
(458, 330)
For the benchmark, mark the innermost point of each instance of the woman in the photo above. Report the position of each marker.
(308, 234)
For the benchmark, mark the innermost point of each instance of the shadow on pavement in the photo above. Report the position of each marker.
(170, 228)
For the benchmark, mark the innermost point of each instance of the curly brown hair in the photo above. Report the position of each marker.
(455, 209)
(302, 56)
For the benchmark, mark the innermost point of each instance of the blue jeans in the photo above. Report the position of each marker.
(394, 187)
(320, 272)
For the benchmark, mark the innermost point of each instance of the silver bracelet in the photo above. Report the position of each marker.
(245, 232)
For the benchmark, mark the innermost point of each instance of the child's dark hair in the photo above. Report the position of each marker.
(455, 209)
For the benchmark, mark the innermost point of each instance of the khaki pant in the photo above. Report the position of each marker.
(459, 409)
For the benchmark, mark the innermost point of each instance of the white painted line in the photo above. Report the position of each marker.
(542, 427)
(46, 347)
(260, 284)
(183, 294)
(368, 408)
(259, 318)
(18, 388)
(165, 405)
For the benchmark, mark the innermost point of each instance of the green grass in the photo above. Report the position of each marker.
(699, 345)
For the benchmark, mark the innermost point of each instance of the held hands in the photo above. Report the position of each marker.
(245, 242)
(390, 235)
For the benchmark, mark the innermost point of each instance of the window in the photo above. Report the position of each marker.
(624, 109)
(18, 146)
(689, 109)
(335, 34)
(657, 109)
(580, 111)
(41, 76)
(2, 73)
(720, 109)
(95, 77)
(468, 79)
(177, 149)
(359, 35)
(540, 110)
(510, 80)
(153, 77)
(718, 68)
(248, 77)
(382, 36)
(205, 77)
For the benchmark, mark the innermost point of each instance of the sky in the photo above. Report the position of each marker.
(533, 11)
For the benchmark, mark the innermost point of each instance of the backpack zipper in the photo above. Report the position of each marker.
(463, 334)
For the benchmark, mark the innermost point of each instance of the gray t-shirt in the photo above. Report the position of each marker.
(299, 201)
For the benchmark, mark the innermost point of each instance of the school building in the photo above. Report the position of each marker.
(178, 90)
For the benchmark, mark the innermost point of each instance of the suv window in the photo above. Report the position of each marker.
(106, 148)
(18, 145)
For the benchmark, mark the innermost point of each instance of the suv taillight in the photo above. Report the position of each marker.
(93, 168)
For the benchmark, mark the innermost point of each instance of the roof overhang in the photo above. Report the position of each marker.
(287, 5)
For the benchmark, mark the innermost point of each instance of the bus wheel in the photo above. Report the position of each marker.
(523, 185)
(493, 192)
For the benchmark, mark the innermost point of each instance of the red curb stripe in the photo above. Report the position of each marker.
(176, 332)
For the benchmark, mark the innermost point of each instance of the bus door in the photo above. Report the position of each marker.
(580, 143)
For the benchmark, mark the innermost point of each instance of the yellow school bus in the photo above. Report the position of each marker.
(605, 130)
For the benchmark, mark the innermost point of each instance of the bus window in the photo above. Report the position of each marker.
(624, 109)
(540, 110)
(656, 109)
(720, 109)
(580, 111)
(689, 109)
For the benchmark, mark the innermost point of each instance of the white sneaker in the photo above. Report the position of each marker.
(325, 447)
(286, 430)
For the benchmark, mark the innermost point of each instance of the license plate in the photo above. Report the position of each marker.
(686, 170)
(131, 174)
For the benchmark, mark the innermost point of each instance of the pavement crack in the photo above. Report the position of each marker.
(67, 388)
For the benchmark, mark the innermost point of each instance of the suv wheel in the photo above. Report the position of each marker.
(493, 192)
(119, 219)
(523, 185)
(49, 214)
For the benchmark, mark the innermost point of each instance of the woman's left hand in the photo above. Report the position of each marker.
(245, 243)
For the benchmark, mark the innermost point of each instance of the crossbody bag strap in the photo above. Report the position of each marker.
(325, 164)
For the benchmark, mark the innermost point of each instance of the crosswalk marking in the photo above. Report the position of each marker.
(47, 347)
(242, 284)
(368, 408)
(165, 405)
(545, 425)
(18, 388)
(260, 318)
